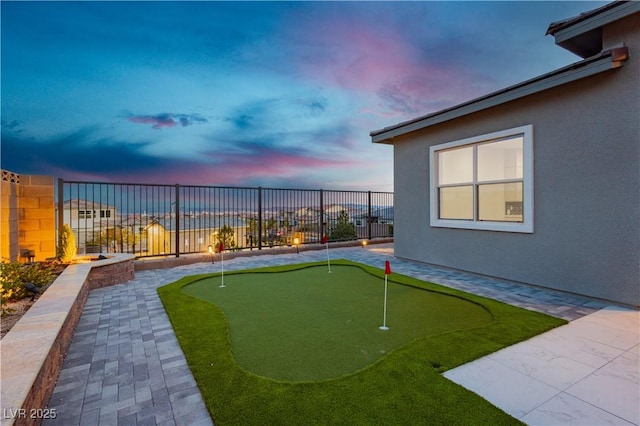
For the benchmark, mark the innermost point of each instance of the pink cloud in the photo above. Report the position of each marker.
(159, 121)
(228, 169)
(156, 121)
(269, 163)
(363, 60)
(363, 57)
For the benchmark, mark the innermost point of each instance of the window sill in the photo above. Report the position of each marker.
(519, 227)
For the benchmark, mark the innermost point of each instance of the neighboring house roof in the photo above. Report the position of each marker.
(335, 208)
(384, 212)
(136, 220)
(380, 212)
(582, 34)
(598, 63)
(307, 212)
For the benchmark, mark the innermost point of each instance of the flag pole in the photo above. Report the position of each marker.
(221, 248)
(325, 240)
(387, 271)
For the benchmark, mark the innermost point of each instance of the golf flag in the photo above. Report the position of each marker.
(221, 251)
(387, 272)
(325, 241)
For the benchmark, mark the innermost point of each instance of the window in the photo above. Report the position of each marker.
(105, 213)
(84, 214)
(484, 182)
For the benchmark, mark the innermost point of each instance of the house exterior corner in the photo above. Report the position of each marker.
(582, 232)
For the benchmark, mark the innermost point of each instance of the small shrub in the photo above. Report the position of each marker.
(344, 229)
(226, 236)
(14, 276)
(66, 244)
(9, 283)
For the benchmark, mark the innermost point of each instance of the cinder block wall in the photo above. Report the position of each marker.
(27, 216)
(9, 246)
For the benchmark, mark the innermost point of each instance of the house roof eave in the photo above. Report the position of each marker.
(582, 34)
(604, 61)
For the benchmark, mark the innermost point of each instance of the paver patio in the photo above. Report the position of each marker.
(125, 367)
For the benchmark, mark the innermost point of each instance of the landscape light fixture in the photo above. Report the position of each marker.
(364, 243)
(210, 248)
(32, 289)
(296, 242)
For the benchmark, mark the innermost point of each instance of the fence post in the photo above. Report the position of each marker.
(369, 216)
(177, 223)
(321, 215)
(259, 218)
(61, 209)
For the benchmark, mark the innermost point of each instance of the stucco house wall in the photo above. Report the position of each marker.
(586, 142)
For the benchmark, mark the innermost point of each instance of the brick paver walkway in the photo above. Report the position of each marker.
(125, 366)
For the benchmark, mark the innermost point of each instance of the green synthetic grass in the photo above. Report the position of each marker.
(401, 386)
(309, 324)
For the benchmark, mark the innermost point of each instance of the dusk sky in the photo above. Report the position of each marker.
(280, 94)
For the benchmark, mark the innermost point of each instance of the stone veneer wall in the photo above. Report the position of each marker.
(27, 216)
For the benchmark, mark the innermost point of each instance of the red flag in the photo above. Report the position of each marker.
(221, 247)
(324, 239)
(387, 267)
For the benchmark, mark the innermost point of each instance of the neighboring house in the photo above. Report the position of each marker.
(382, 215)
(332, 213)
(539, 182)
(307, 216)
(86, 213)
(379, 224)
(196, 233)
(86, 218)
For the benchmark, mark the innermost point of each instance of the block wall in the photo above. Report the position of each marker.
(27, 216)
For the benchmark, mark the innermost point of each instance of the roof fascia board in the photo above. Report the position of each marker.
(556, 78)
(596, 21)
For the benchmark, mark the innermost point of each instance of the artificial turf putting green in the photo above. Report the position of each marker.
(309, 324)
(403, 387)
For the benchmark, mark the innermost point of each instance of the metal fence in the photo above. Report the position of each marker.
(160, 220)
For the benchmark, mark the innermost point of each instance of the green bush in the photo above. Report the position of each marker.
(14, 276)
(344, 230)
(66, 244)
(226, 236)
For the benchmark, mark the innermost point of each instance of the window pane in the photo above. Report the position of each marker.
(456, 202)
(455, 166)
(500, 160)
(500, 202)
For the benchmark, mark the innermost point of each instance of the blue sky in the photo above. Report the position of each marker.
(273, 94)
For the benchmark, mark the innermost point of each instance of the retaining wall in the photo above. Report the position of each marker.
(34, 349)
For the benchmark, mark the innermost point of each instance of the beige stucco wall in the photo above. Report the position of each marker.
(586, 187)
(27, 216)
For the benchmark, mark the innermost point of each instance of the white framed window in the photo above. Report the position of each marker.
(484, 182)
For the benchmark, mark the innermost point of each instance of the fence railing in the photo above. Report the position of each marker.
(160, 220)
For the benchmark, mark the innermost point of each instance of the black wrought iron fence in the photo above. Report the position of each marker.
(159, 220)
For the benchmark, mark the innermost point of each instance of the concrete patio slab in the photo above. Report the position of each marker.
(591, 366)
